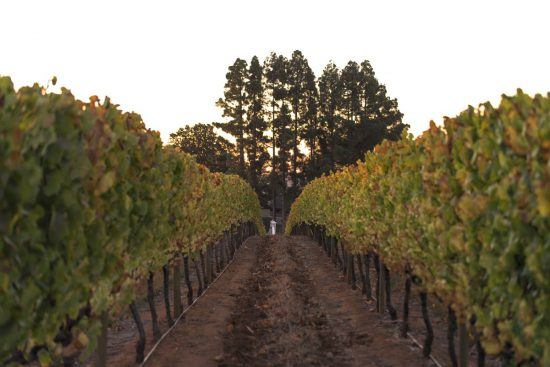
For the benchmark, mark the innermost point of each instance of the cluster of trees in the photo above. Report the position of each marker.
(291, 126)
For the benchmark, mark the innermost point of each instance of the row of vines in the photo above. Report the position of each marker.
(90, 204)
(465, 210)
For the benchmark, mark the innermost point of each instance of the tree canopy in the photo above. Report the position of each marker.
(291, 126)
(209, 148)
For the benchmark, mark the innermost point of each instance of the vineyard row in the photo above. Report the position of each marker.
(464, 209)
(91, 204)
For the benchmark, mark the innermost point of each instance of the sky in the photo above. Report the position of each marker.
(167, 60)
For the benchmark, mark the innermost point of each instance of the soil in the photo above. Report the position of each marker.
(283, 303)
(294, 311)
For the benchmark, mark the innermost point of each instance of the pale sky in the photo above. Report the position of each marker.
(167, 59)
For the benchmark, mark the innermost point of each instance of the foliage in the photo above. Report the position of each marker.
(210, 149)
(90, 202)
(336, 117)
(463, 205)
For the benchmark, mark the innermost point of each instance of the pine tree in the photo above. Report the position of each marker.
(350, 89)
(284, 145)
(330, 122)
(275, 71)
(338, 116)
(375, 103)
(234, 107)
(310, 131)
(256, 142)
(297, 70)
(377, 116)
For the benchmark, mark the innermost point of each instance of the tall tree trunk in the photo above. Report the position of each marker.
(312, 147)
(295, 148)
(240, 144)
(332, 143)
(273, 157)
(252, 163)
(283, 169)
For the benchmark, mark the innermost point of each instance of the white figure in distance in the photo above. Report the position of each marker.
(272, 227)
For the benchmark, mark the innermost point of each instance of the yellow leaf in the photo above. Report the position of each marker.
(106, 182)
(543, 199)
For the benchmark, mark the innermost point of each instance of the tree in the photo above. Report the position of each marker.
(350, 88)
(297, 69)
(284, 144)
(275, 70)
(355, 114)
(377, 117)
(330, 121)
(256, 142)
(209, 148)
(234, 107)
(339, 116)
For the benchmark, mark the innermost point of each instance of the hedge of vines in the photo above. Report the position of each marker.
(90, 202)
(466, 207)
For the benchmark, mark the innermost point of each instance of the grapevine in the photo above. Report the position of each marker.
(90, 204)
(465, 207)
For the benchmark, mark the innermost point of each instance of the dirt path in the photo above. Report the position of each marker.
(281, 303)
(295, 312)
(197, 339)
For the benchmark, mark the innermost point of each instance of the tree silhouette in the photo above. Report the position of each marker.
(233, 105)
(209, 148)
(276, 82)
(256, 143)
(275, 109)
(330, 122)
